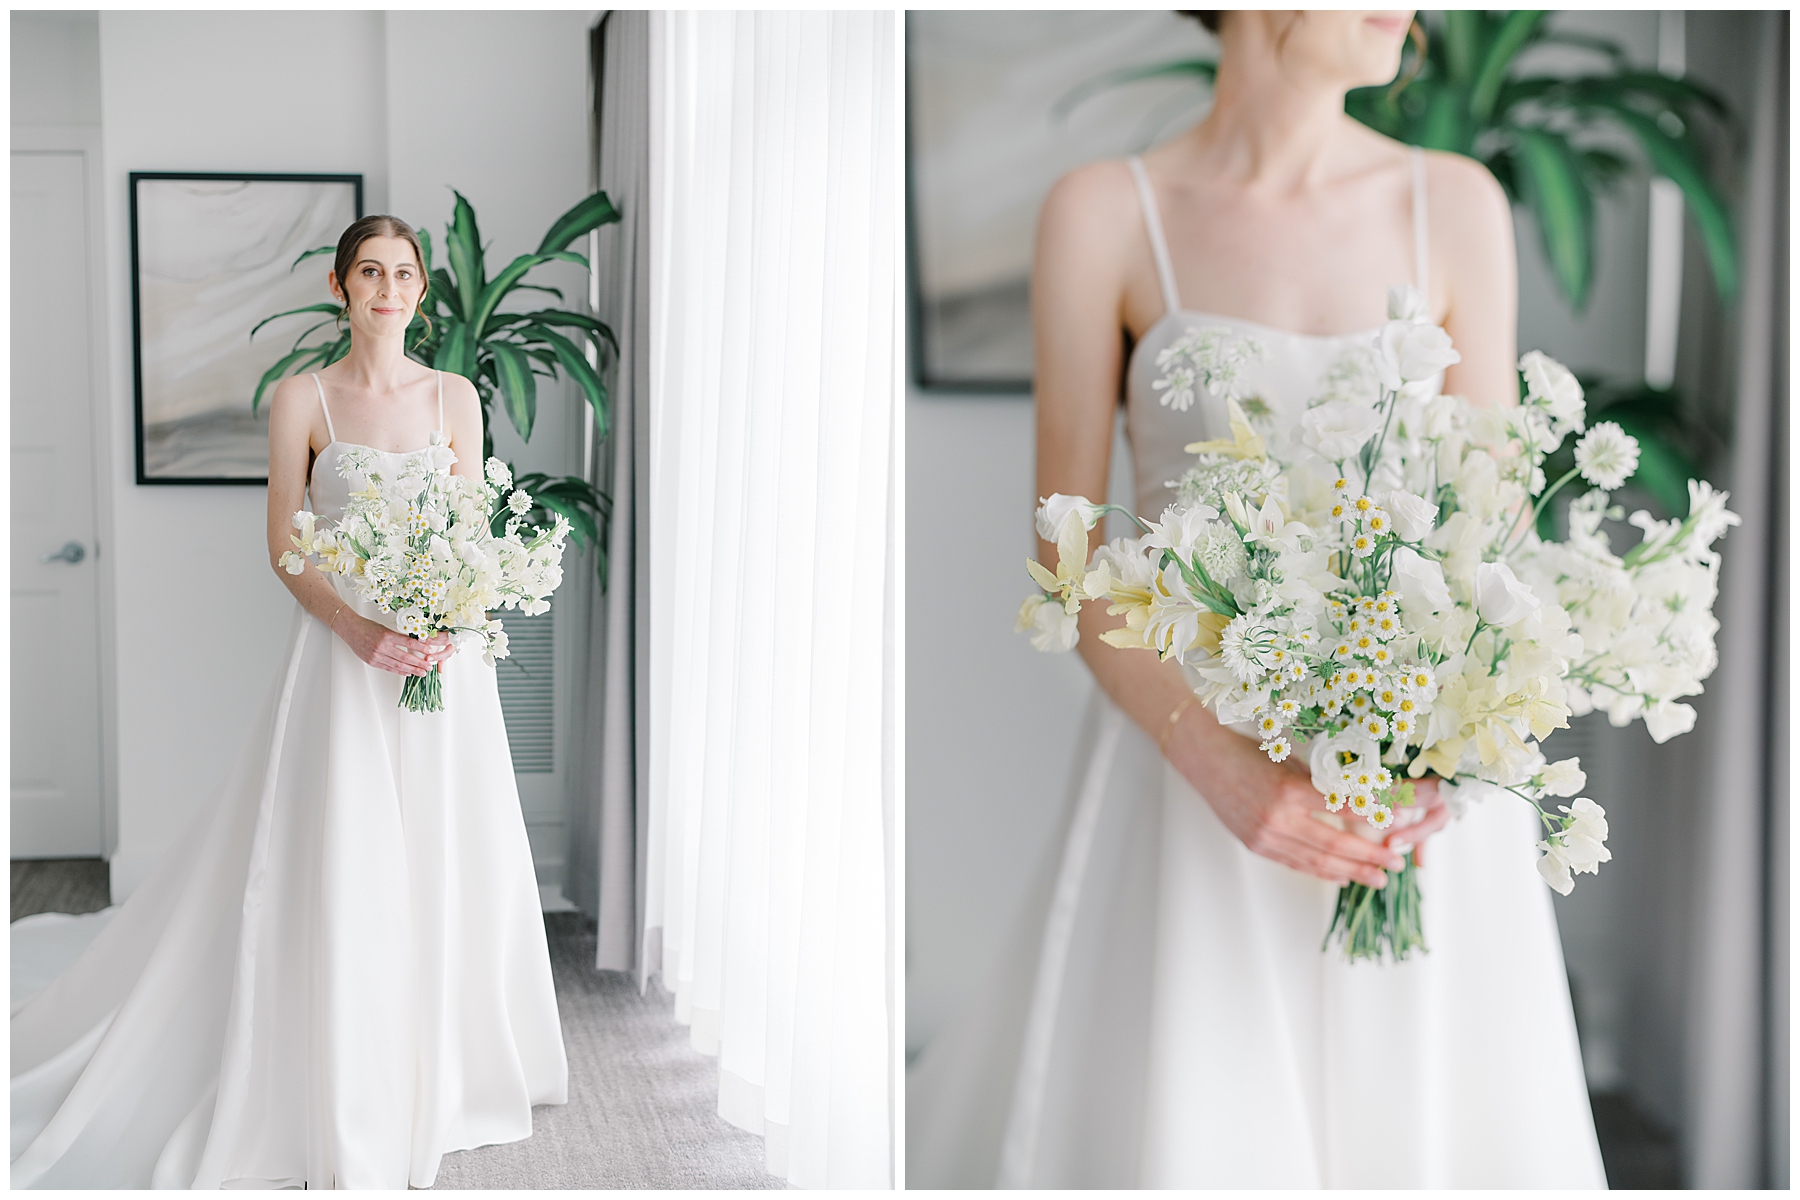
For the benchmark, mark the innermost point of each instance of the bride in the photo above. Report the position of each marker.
(1164, 1016)
(339, 972)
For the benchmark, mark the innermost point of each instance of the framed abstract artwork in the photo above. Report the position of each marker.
(211, 255)
(999, 105)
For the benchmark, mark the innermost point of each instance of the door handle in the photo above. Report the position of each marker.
(71, 553)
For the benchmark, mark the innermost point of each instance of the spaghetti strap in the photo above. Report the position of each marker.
(1165, 272)
(1421, 244)
(440, 379)
(323, 407)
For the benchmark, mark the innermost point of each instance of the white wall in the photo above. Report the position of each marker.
(990, 721)
(494, 103)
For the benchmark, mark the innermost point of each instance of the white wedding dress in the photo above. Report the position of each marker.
(1162, 1015)
(336, 976)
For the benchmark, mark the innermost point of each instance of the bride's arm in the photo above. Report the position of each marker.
(1088, 239)
(1472, 237)
(292, 411)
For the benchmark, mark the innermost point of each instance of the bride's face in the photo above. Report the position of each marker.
(1357, 48)
(383, 287)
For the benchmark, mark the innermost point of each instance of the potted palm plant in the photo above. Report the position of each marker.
(503, 353)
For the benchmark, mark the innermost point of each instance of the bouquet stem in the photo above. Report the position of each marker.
(1372, 920)
(423, 693)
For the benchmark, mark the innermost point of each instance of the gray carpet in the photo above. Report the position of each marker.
(642, 1103)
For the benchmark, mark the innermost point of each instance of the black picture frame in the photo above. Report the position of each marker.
(150, 473)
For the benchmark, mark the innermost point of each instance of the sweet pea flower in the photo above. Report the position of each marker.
(1500, 598)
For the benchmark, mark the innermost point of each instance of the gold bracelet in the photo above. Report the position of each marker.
(332, 624)
(1162, 743)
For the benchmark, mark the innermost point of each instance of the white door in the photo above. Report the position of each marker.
(56, 791)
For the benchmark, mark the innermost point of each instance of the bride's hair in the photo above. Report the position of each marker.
(381, 225)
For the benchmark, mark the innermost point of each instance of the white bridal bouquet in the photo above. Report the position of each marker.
(1369, 588)
(421, 545)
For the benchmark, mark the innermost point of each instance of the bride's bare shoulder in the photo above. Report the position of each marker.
(1091, 211)
(1464, 193)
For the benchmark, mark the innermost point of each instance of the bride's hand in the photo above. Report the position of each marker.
(386, 650)
(1274, 810)
(1429, 801)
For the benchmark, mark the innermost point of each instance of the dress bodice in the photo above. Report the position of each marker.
(327, 491)
(1294, 370)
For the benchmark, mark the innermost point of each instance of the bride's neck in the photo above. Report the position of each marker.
(378, 364)
(1269, 132)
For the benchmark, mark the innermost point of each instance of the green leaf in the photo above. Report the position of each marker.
(333, 309)
(1552, 184)
(576, 364)
(507, 279)
(1514, 32)
(445, 291)
(425, 247)
(454, 352)
(1663, 470)
(591, 213)
(279, 369)
(314, 253)
(518, 387)
(1669, 159)
(1464, 39)
(599, 329)
(465, 255)
(1446, 125)
(310, 331)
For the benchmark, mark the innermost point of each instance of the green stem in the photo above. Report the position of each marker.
(1536, 509)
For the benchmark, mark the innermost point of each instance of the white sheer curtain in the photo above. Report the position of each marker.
(768, 909)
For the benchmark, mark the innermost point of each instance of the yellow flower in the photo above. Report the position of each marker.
(1243, 443)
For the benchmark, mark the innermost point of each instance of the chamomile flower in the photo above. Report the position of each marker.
(1267, 726)
(1377, 522)
(1375, 726)
(1402, 726)
(1381, 816)
(1334, 801)
(1277, 748)
(1381, 656)
(1360, 803)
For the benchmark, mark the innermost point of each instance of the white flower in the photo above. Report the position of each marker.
(1564, 778)
(1413, 517)
(1337, 429)
(1407, 303)
(1551, 384)
(1584, 837)
(498, 474)
(1052, 514)
(1666, 719)
(1419, 581)
(1554, 867)
(1500, 598)
(1409, 353)
(1052, 628)
(1607, 456)
(519, 502)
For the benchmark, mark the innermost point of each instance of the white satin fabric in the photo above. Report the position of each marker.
(1163, 1015)
(337, 975)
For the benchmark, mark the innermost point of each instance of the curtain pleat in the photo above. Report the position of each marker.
(767, 908)
(605, 876)
(1736, 1023)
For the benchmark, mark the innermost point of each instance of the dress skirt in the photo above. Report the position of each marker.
(337, 975)
(1162, 1015)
